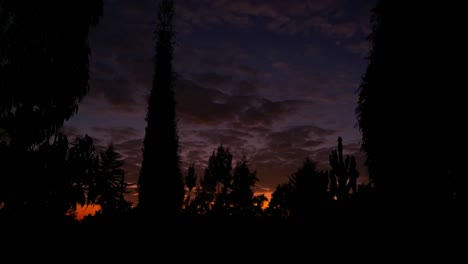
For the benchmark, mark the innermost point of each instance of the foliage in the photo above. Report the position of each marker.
(308, 189)
(160, 185)
(242, 194)
(343, 173)
(111, 186)
(44, 75)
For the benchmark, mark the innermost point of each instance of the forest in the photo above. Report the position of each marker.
(410, 140)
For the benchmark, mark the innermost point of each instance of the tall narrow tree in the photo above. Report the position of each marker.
(161, 188)
(406, 133)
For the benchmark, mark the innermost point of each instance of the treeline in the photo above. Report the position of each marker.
(57, 176)
(226, 191)
(60, 175)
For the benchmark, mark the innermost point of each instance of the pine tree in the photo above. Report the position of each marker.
(83, 168)
(308, 190)
(110, 182)
(243, 182)
(280, 204)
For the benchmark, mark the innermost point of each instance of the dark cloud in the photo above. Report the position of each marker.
(223, 66)
(281, 65)
(130, 148)
(292, 17)
(195, 155)
(221, 57)
(186, 144)
(226, 137)
(299, 135)
(246, 71)
(302, 85)
(116, 134)
(266, 112)
(361, 48)
(211, 79)
(117, 93)
(200, 105)
(335, 30)
(245, 87)
(71, 131)
(239, 20)
(272, 169)
(312, 88)
(120, 72)
(194, 151)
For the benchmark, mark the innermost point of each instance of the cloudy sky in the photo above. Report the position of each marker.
(273, 80)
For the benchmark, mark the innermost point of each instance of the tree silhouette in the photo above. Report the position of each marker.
(110, 183)
(243, 180)
(369, 109)
(308, 189)
(205, 196)
(343, 173)
(405, 131)
(258, 204)
(236, 196)
(53, 186)
(219, 168)
(219, 171)
(279, 205)
(84, 167)
(60, 176)
(44, 74)
(160, 183)
(191, 177)
(48, 50)
(190, 182)
(210, 176)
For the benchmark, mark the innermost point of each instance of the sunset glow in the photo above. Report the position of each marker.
(82, 211)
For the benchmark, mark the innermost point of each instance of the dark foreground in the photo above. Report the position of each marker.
(377, 237)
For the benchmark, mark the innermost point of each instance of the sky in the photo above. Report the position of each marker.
(273, 80)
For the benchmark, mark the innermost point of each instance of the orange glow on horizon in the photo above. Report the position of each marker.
(82, 211)
(267, 195)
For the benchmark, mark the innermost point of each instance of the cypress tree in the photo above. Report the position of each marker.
(161, 188)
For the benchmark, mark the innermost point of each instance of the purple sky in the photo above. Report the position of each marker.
(273, 80)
